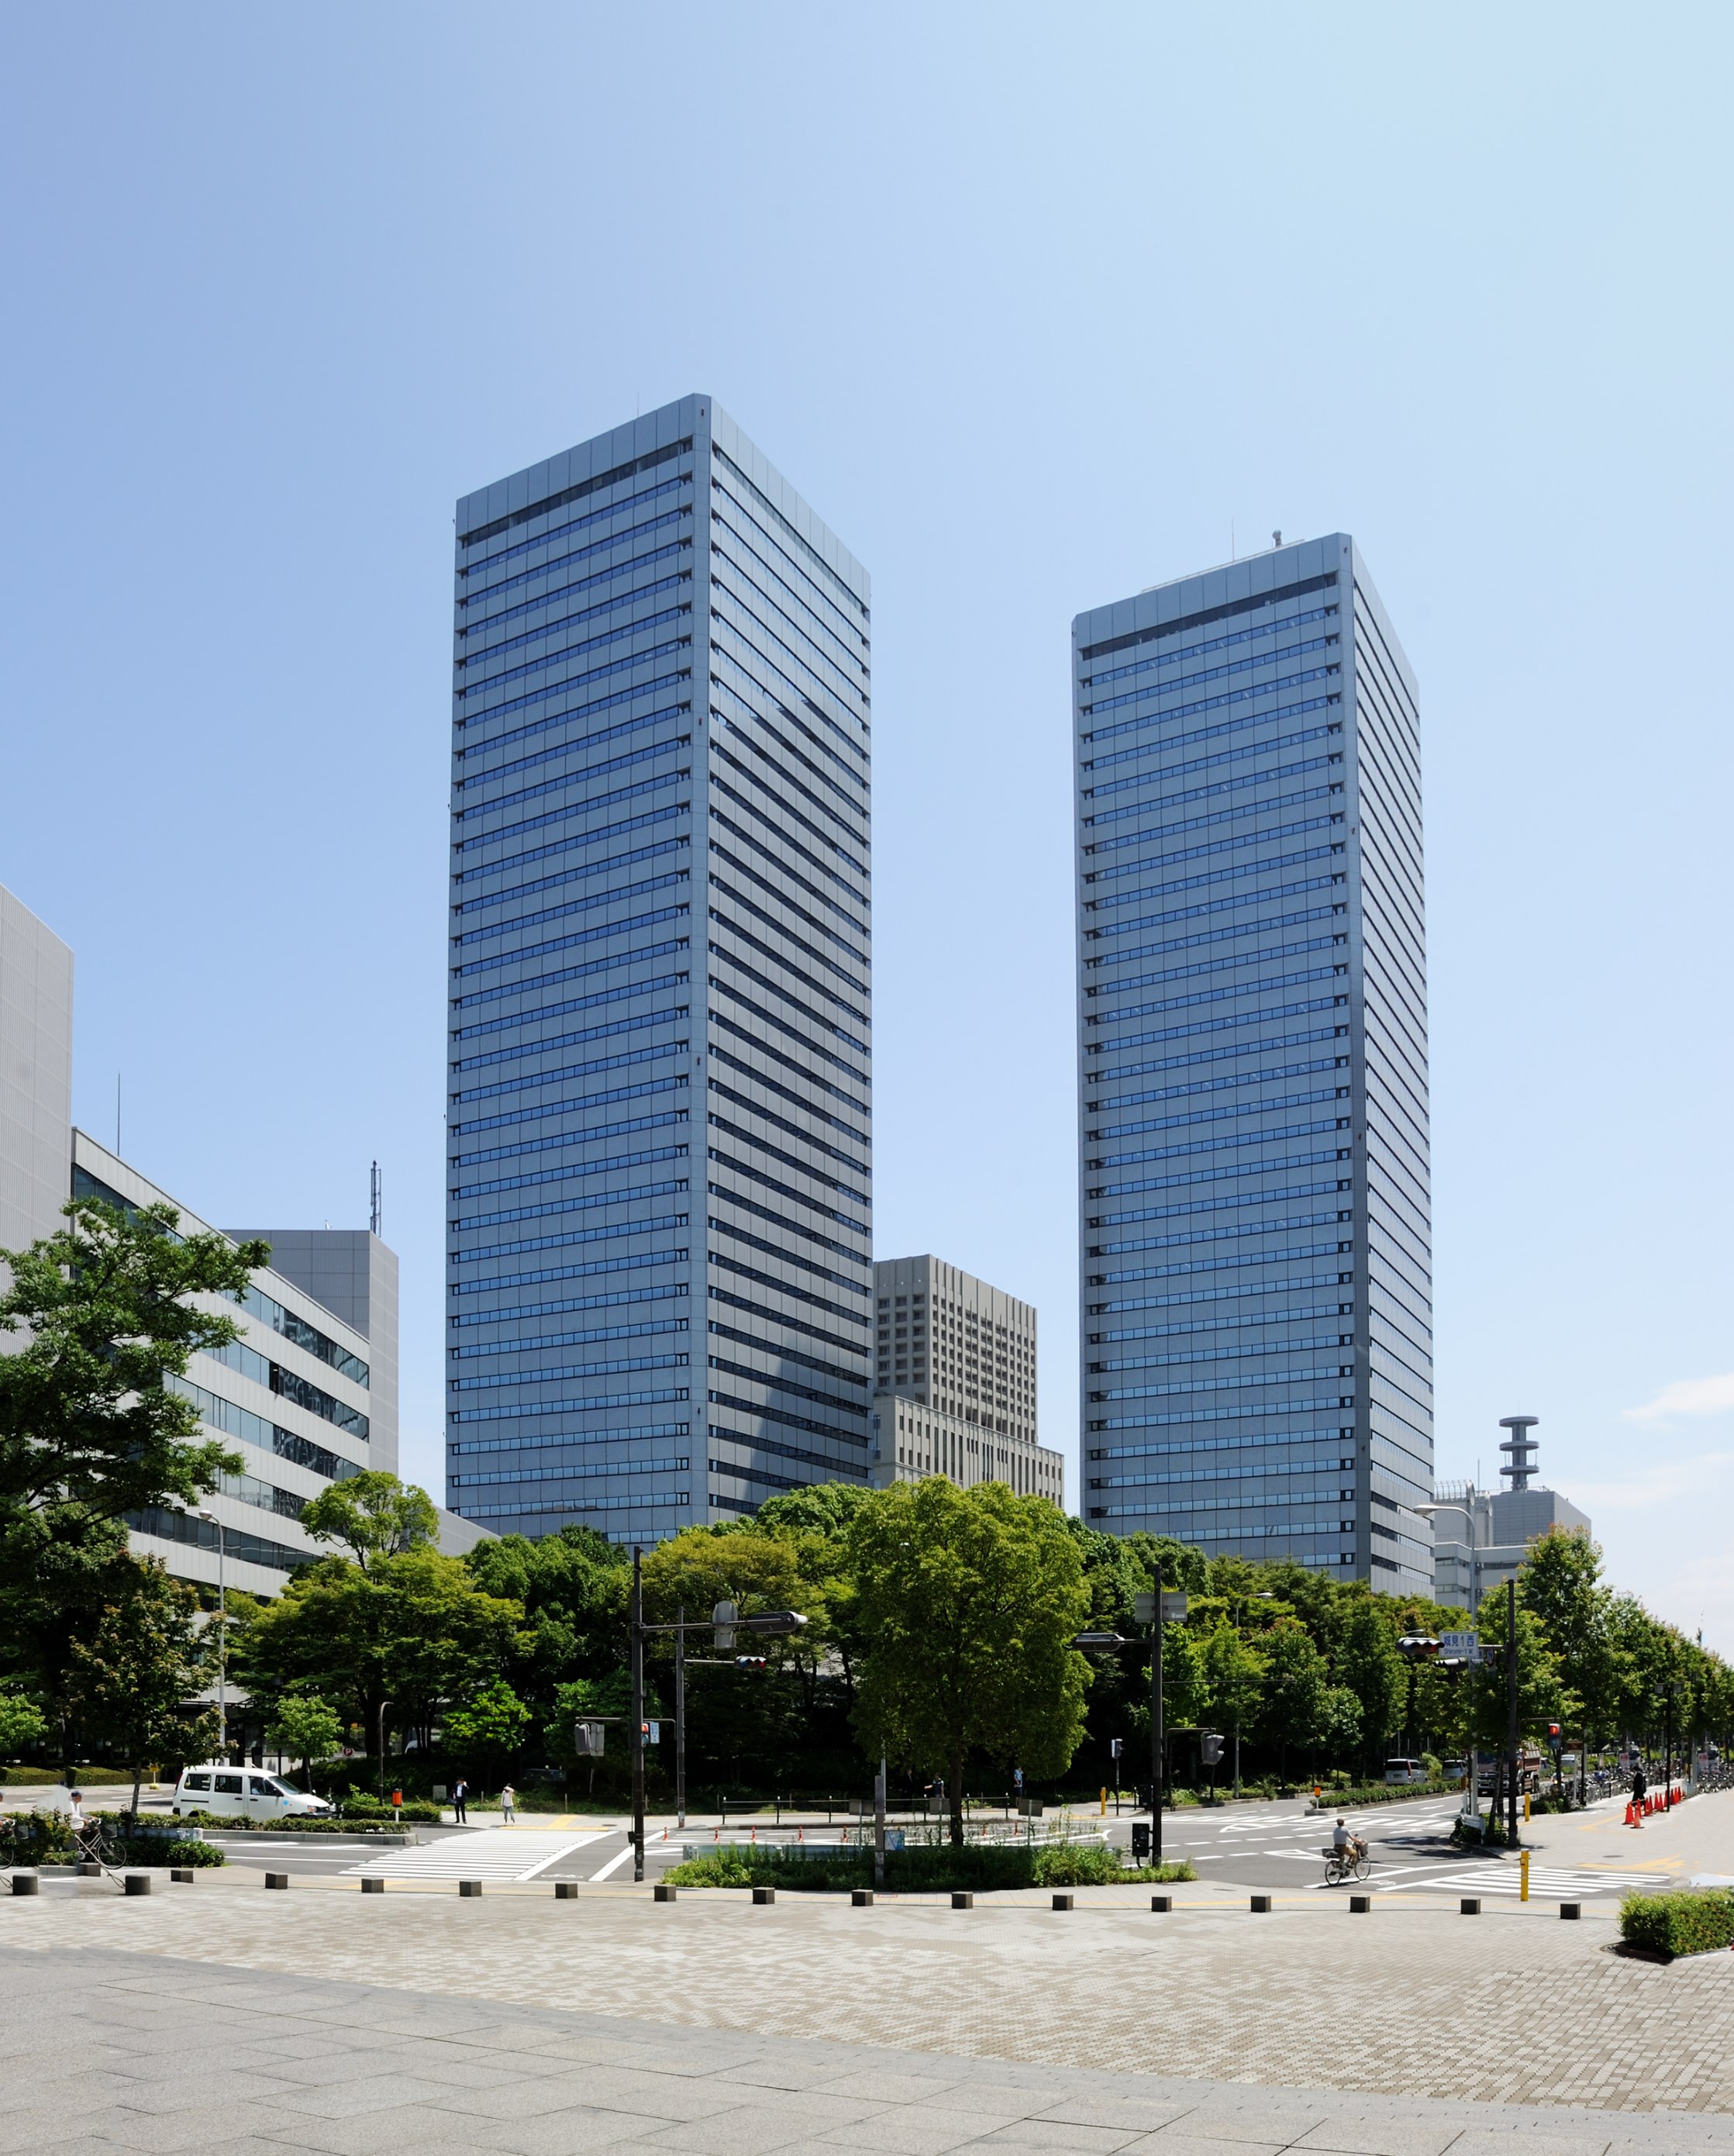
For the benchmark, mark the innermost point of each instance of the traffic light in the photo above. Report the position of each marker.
(1554, 1735)
(751, 1662)
(1210, 1750)
(1117, 1745)
(1141, 1841)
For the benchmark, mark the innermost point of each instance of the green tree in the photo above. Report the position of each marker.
(95, 1422)
(1365, 1658)
(1341, 1726)
(1561, 1584)
(134, 1676)
(375, 1516)
(490, 1725)
(1292, 1710)
(304, 1726)
(1234, 1670)
(22, 1721)
(411, 1632)
(970, 1599)
(573, 1588)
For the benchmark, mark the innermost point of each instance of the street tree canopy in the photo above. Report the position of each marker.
(374, 1514)
(969, 1601)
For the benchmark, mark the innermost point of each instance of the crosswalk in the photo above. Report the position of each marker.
(1547, 1882)
(499, 1853)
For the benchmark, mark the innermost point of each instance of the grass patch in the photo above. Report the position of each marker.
(925, 1870)
(1690, 1922)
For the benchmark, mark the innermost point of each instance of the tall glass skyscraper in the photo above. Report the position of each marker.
(1255, 1230)
(659, 1124)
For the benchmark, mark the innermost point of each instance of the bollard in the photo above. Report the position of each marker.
(1360, 1905)
(963, 1901)
(90, 1871)
(566, 1890)
(1469, 1906)
(860, 1897)
(373, 1885)
(1571, 1910)
(1062, 1901)
(138, 1882)
(764, 1896)
(181, 1875)
(1523, 1875)
(663, 1893)
(469, 1889)
(1162, 1903)
(1261, 1905)
(279, 1880)
(26, 1882)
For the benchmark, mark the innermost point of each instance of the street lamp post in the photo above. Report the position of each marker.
(1512, 1710)
(637, 1714)
(221, 1639)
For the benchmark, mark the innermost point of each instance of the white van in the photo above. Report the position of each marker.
(242, 1793)
(1401, 1774)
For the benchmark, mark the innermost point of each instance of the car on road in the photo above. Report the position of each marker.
(243, 1793)
(1400, 1773)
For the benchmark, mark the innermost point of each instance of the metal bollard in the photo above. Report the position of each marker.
(860, 1897)
(764, 1896)
(1469, 1906)
(1571, 1910)
(373, 1885)
(963, 1901)
(1162, 1903)
(661, 1893)
(469, 1888)
(280, 1880)
(1062, 1901)
(566, 1890)
(138, 1882)
(181, 1875)
(1261, 1905)
(26, 1882)
(1360, 1905)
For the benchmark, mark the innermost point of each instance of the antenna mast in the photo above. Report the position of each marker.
(376, 1202)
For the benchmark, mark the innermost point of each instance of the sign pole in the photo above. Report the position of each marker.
(637, 1716)
(681, 1717)
(1156, 1727)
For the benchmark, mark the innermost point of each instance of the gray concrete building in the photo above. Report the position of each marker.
(1255, 1242)
(954, 1381)
(35, 1074)
(658, 1119)
(1479, 1536)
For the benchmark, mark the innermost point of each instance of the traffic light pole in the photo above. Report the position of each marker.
(680, 1718)
(638, 1717)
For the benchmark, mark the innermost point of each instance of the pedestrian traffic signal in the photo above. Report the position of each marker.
(1140, 1840)
(1210, 1750)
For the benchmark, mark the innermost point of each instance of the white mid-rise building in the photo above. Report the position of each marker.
(955, 1381)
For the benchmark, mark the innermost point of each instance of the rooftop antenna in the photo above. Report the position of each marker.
(376, 1202)
(117, 1115)
(1276, 538)
(1521, 1446)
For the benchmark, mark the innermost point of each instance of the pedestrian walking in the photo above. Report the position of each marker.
(509, 1805)
(460, 1801)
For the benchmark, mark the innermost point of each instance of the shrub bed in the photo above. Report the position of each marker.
(141, 1851)
(1690, 1922)
(1360, 1794)
(290, 1825)
(923, 1870)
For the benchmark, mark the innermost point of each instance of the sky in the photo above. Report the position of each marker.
(1035, 306)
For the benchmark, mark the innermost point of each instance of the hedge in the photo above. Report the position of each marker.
(143, 1850)
(1685, 1922)
(1381, 1792)
(979, 1867)
(297, 1823)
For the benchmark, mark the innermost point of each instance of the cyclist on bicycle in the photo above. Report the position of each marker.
(1346, 1844)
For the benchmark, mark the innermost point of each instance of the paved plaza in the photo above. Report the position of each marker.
(1282, 2026)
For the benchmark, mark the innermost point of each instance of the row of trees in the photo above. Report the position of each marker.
(940, 1621)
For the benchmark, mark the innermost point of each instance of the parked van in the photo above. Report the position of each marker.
(243, 1793)
(1399, 1773)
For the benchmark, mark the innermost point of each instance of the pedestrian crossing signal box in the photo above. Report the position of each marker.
(587, 1739)
(1140, 1840)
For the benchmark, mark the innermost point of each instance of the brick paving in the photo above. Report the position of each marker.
(1515, 2007)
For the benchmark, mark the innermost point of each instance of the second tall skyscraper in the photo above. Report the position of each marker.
(658, 1116)
(1256, 1242)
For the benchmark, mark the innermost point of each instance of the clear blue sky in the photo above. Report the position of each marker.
(1035, 306)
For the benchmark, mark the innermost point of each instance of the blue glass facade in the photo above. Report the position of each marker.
(1256, 1226)
(659, 1116)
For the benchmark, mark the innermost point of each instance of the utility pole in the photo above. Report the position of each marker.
(1156, 1726)
(637, 1716)
(1512, 1710)
(681, 1717)
(878, 1826)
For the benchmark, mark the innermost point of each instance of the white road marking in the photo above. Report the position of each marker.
(613, 1863)
(500, 1853)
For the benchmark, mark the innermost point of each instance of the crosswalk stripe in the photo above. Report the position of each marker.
(496, 1853)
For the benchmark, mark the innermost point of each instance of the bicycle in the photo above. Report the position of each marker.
(1351, 1863)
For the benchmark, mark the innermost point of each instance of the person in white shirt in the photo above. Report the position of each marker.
(509, 1805)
